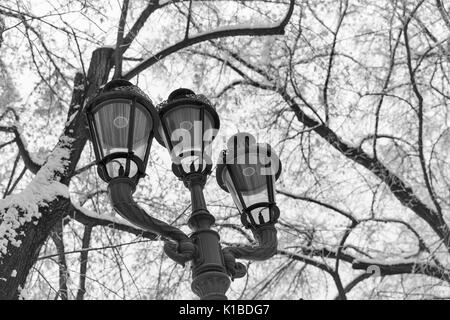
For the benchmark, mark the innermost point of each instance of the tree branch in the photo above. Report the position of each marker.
(119, 51)
(444, 14)
(86, 217)
(382, 96)
(57, 237)
(398, 187)
(387, 269)
(21, 144)
(84, 261)
(348, 215)
(394, 268)
(188, 20)
(134, 31)
(354, 283)
(419, 96)
(231, 31)
(331, 62)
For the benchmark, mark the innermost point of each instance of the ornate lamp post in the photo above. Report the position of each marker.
(122, 123)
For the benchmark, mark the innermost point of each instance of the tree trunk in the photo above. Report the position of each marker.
(16, 263)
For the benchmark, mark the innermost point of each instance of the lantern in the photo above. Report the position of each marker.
(248, 171)
(122, 122)
(189, 124)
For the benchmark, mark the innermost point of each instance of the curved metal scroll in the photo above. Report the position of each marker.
(121, 197)
(265, 249)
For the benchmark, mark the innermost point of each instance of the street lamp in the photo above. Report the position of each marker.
(189, 124)
(248, 171)
(122, 122)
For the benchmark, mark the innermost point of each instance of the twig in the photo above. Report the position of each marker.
(119, 52)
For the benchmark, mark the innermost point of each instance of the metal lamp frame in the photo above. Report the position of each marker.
(213, 267)
(121, 91)
(246, 216)
(177, 100)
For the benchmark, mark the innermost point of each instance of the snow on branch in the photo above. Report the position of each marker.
(221, 32)
(373, 266)
(383, 268)
(18, 209)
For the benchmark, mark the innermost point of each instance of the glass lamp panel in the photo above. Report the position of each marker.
(112, 121)
(185, 128)
(143, 125)
(249, 175)
(208, 134)
(182, 124)
(251, 181)
(260, 215)
(230, 186)
(188, 134)
(116, 168)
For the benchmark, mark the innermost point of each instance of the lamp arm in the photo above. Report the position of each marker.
(265, 249)
(121, 197)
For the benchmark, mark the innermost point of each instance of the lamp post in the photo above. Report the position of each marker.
(122, 123)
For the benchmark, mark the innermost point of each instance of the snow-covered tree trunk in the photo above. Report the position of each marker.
(29, 217)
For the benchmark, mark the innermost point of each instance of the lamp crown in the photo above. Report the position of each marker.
(118, 85)
(180, 94)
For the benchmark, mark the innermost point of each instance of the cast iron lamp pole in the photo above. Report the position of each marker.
(188, 126)
(122, 123)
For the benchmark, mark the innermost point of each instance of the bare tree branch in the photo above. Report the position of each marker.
(80, 214)
(134, 31)
(348, 215)
(444, 14)
(354, 283)
(21, 144)
(220, 33)
(331, 60)
(385, 268)
(420, 100)
(119, 51)
(57, 237)
(84, 261)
